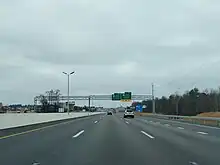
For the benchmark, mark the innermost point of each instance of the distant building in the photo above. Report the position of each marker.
(64, 105)
(2, 109)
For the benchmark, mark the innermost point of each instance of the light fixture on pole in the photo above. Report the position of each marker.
(68, 89)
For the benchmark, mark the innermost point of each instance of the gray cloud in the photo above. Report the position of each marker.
(112, 45)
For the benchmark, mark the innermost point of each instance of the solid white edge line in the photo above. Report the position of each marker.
(79, 133)
(180, 127)
(203, 133)
(147, 134)
(96, 122)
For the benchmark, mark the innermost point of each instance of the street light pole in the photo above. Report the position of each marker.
(68, 94)
(68, 90)
(153, 99)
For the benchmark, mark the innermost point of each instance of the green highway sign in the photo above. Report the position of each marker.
(116, 96)
(126, 96)
(121, 96)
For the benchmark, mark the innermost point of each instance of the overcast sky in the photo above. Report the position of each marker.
(112, 45)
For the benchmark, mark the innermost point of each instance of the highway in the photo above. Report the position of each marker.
(108, 140)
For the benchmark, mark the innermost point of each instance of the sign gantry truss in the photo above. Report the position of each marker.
(90, 97)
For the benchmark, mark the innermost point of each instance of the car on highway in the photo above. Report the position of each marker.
(109, 113)
(128, 113)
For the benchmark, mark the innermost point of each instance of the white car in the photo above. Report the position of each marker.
(129, 113)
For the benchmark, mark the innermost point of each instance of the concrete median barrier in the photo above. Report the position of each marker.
(18, 120)
(13, 124)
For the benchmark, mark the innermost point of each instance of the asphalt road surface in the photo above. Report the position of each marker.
(112, 140)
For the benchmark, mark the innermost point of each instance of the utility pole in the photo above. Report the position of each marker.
(218, 99)
(153, 99)
(177, 105)
(89, 104)
(68, 93)
(177, 101)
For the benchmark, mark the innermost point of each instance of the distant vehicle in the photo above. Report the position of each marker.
(121, 109)
(93, 109)
(109, 113)
(129, 113)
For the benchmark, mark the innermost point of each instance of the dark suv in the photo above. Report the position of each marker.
(109, 113)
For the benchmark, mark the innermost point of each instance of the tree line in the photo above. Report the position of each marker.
(50, 102)
(191, 103)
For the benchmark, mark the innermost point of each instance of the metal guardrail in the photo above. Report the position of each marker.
(210, 121)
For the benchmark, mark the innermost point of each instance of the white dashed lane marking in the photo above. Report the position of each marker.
(180, 127)
(148, 135)
(203, 133)
(193, 163)
(78, 134)
(96, 122)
